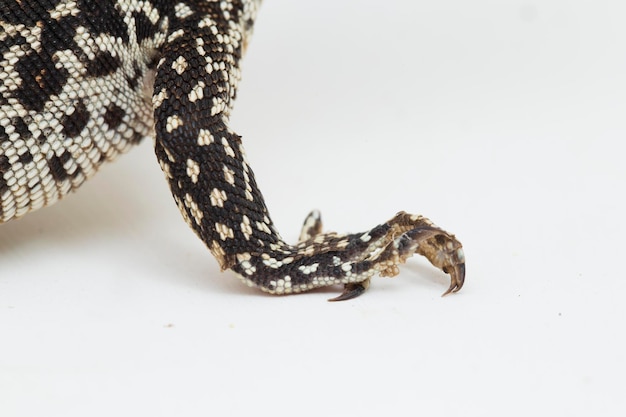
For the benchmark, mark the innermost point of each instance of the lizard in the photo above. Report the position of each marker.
(82, 81)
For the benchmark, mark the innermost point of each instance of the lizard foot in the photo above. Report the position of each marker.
(382, 249)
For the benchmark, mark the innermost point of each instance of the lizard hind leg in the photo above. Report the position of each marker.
(216, 191)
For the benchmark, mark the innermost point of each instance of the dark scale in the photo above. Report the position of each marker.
(73, 77)
(75, 122)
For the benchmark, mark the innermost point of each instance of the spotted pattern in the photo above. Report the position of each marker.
(83, 80)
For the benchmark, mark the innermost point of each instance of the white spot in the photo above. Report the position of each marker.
(169, 155)
(219, 105)
(263, 227)
(205, 137)
(194, 209)
(308, 269)
(217, 197)
(197, 93)
(248, 268)
(246, 228)
(246, 177)
(244, 262)
(193, 170)
(173, 122)
(273, 263)
(209, 67)
(243, 256)
(182, 11)
(200, 46)
(346, 267)
(224, 231)
(365, 237)
(208, 22)
(158, 98)
(166, 169)
(179, 65)
(336, 261)
(229, 151)
(229, 175)
(175, 35)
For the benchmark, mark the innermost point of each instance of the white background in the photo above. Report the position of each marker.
(502, 120)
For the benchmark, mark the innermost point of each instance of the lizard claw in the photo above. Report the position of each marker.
(352, 290)
(457, 276)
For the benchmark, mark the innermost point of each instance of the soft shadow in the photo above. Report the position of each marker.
(103, 206)
(424, 273)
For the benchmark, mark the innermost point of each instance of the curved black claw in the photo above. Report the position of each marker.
(352, 290)
(457, 277)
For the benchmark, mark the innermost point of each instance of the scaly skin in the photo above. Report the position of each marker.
(82, 81)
